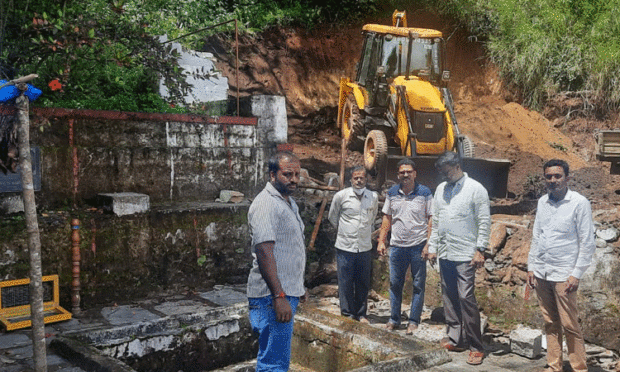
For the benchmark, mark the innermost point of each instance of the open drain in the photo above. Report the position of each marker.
(221, 339)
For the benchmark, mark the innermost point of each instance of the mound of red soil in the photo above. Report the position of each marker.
(306, 67)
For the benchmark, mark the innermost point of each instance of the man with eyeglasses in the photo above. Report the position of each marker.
(407, 213)
(560, 252)
(460, 234)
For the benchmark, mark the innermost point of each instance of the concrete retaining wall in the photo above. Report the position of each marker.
(170, 157)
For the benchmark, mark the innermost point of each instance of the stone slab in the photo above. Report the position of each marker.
(127, 315)
(526, 342)
(124, 203)
(10, 340)
(52, 360)
(24, 352)
(182, 307)
(224, 297)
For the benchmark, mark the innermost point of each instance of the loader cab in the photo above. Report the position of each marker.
(385, 57)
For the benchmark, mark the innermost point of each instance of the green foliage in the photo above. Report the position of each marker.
(104, 54)
(546, 47)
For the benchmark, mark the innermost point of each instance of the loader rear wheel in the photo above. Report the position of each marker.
(352, 127)
(375, 151)
(468, 147)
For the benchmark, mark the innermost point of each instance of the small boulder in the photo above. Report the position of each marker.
(230, 196)
(608, 235)
(497, 239)
(526, 342)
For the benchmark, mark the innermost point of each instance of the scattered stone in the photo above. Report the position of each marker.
(230, 196)
(600, 243)
(497, 239)
(609, 234)
(123, 203)
(304, 176)
(594, 349)
(373, 295)
(438, 315)
(484, 322)
(331, 178)
(526, 342)
(325, 290)
(489, 265)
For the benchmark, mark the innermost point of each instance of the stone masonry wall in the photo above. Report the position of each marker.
(127, 257)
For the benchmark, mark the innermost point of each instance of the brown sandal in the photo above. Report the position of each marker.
(446, 344)
(475, 358)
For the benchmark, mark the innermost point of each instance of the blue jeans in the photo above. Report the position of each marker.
(274, 338)
(400, 259)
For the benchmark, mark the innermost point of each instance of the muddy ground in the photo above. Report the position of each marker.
(306, 67)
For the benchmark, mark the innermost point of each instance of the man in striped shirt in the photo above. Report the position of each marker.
(353, 211)
(407, 213)
(276, 280)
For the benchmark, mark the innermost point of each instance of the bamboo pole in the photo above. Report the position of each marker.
(32, 226)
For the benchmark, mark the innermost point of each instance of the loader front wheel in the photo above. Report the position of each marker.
(352, 127)
(375, 151)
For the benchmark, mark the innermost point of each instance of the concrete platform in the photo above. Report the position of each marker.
(167, 313)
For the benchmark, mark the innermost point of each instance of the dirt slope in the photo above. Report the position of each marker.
(306, 67)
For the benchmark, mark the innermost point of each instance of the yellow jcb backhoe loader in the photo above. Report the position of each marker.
(399, 105)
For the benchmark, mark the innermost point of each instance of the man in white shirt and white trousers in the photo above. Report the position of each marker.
(560, 252)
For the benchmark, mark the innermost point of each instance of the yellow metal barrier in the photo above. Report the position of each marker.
(15, 303)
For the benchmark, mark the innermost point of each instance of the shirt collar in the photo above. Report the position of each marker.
(273, 191)
(567, 197)
(365, 194)
(413, 192)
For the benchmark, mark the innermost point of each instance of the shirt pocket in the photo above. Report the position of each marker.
(564, 227)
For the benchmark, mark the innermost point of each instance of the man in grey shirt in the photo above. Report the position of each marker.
(276, 280)
(353, 211)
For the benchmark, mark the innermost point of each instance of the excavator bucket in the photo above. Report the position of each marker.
(491, 173)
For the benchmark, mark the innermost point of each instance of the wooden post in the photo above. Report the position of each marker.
(32, 226)
(75, 284)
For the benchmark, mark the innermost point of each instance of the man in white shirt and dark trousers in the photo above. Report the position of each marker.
(460, 234)
(560, 252)
(352, 212)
